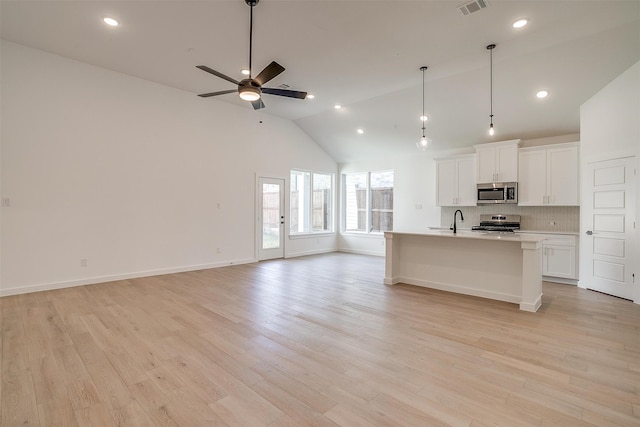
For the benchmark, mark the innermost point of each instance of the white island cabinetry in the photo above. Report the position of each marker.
(456, 181)
(495, 266)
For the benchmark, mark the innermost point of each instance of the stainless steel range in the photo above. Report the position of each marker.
(498, 222)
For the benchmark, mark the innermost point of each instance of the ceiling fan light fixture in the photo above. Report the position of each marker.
(249, 93)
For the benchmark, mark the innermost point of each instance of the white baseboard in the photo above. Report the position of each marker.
(458, 289)
(115, 277)
(560, 280)
(306, 253)
(361, 252)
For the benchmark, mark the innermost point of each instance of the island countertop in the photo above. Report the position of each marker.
(468, 234)
(500, 266)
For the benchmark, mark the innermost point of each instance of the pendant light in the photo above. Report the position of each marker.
(424, 142)
(491, 47)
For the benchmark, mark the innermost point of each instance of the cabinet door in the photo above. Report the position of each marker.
(507, 163)
(445, 182)
(562, 176)
(466, 174)
(559, 261)
(532, 178)
(486, 165)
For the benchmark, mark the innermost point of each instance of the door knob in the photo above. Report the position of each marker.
(589, 232)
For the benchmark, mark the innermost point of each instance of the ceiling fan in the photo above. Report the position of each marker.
(251, 89)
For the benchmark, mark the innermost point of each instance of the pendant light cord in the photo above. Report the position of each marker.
(423, 143)
(423, 69)
(491, 47)
(491, 83)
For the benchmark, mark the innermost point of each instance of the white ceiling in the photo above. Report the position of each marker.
(364, 55)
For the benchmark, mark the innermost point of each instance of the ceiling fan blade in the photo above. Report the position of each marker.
(215, 73)
(269, 72)
(285, 92)
(257, 104)
(222, 92)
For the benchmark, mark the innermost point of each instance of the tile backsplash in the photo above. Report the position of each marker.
(532, 218)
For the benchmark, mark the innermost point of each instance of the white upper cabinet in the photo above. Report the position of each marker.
(497, 161)
(455, 181)
(548, 176)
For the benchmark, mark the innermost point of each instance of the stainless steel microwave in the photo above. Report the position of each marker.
(497, 192)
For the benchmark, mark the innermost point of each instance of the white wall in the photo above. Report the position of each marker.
(136, 177)
(413, 197)
(610, 128)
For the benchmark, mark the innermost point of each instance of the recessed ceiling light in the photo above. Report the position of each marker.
(310, 96)
(360, 131)
(520, 23)
(110, 21)
(424, 118)
(542, 94)
(245, 71)
(337, 106)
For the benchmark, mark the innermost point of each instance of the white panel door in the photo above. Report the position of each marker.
(610, 235)
(270, 218)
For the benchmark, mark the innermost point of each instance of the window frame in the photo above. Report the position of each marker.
(369, 208)
(308, 205)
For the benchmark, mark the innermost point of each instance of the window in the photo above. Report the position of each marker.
(310, 201)
(368, 201)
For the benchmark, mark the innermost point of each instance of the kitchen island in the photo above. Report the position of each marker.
(504, 266)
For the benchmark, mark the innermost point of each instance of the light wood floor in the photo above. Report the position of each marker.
(314, 341)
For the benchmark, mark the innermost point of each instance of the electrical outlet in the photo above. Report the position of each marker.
(6, 201)
(552, 223)
(218, 250)
(418, 206)
(84, 262)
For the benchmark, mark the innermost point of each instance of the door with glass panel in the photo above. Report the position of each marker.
(270, 218)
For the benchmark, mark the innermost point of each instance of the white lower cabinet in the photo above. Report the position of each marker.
(559, 258)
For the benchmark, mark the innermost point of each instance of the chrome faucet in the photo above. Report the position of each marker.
(454, 219)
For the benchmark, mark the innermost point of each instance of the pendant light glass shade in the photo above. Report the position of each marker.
(490, 48)
(424, 142)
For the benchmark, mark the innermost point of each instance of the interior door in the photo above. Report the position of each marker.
(610, 220)
(270, 218)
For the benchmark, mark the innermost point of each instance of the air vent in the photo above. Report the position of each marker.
(473, 6)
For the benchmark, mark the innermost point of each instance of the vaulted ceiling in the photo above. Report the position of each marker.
(364, 55)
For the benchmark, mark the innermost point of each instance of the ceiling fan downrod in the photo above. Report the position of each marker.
(251, 4)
